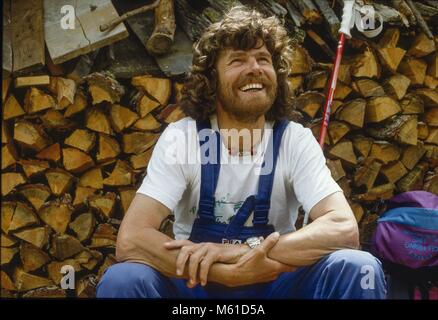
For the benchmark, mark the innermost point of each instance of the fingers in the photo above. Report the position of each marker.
(176, 244)
(205, 268)
(194, 261)
(269, 242)
(181, 260)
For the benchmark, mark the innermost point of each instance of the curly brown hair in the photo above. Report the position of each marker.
(241, 29)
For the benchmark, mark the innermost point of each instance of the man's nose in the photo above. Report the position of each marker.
(254, 66)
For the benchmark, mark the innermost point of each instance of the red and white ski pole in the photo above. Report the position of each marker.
(344, 30)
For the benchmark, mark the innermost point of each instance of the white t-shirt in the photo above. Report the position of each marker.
(174, 171)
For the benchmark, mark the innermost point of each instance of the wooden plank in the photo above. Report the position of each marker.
(67, 44)
(32, 81)
(7, 38)
(27, 35)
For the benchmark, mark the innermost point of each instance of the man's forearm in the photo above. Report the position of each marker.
(309, 244)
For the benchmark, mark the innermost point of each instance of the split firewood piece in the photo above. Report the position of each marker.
(344, 150)
(300, 62)
(431, 117)
(138, 142)
(162, 37)
(104, 204)
(342, 91)
(414, 179)
(336, 169)
(159, 88)
(381, 108)
(75, 160)
(24, 216)
(363, 145)
(394, 171)
(57, 214)
(352, 112)
(127, 194)
(391, 57)
(366, 65)
(53, 119)
(92, 178)
(103, 87)
(109, 148)
(432, 69)
(65, 246)
(83, 226)
(7, 255)
(9, 155)
(32, 258)
(412, 155)
(366, 174)
(358, 211)
(309, 102)
(7, 242)
(122, 117)
(79, 104)
(81, 196)
(412, 104)
(54, 269)
(431, 154)
(147, 123)
(5, 86)
(144, 104)
(86, 287)
(423, 130)
(52, 152)
(396, 86)
(429, 96)
(337, 130)
(414, 69)
(81, 139)
(34, 168)
(39, 237)
(178, 87)
(6, 136)
(96, 120)
(171, 113)
(25, 281)
(315, 126)
(430, 82)
(385, 152)
(141, 160)
(7, 212)
(122, 175)
(21, 82)
(401, 128)
(433, 136)
(368, 88)
(65, 89)
(382, 192)
(390, 38)
(36, 194)
(46, 293)
(109, 261)
(6, 282)
(431, 184)
(36, 101)
(295, 83)
(59, 181)
(10, 180)
(104, 236)
(309, 11)
(317, 80)
(30, 135)
(12, 108)
(422, 46)
(89, 258)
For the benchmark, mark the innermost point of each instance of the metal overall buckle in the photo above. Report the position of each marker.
(231, 241)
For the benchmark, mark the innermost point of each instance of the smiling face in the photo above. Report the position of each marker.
(247, 82)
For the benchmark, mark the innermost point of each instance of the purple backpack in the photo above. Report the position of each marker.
(407, 233)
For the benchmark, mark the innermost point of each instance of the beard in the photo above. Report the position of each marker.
(249, 106)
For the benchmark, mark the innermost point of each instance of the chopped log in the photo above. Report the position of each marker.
(53, 152)
(385, 152)
(366, 174)
(144, 104)
(414, 69)
(423, 130)
(103, 204)
(431, 83)
(147, 123)
(391, 57)
(122, 175)
(336, 169)
(60, 181)
(53, 119)
(25, 281)
(32, 81)
(103, 87)
(365, 65)
(92, 178)
(6, 136)
(127, 194)
(96, 120)
(396, 86)
(81, 139)
(6, 282)
(54, 269)
(39, 237)
(9, 155)
(394, 171)
(89, 258)
(57, 214)
(161, 39)
(363, 145)
(337, 130)
(429, 96)
(7, 241)
(12, 108)
(81, 196)
(36, 194)
(158, 88)
(5, 86)
(390, 38)
(419, 17)
(36, 101)
(79, 104)
(138, 142)
(301, 62)
(309, 102)
(23, 217)
(414, 179)
(7, 212)
(412, 104)
(104, 236)
(295, 84)
(34, 168)
(342, 91)
(83, 66)
(402, 128)
(412, 154)
(46, 293)
(344, 150)
(109, 261)
(32, 258)
(171, 113)
(122, 117)
(431, 185)
(404, 10)
(432, 69)
(381, 108)
(382, 192)
(433, 136)
(65, 246)
(141, 160)
(75, 160)
(65, 89)
(86, 287)
(320, 41)
(368, 88)
(309, 11)
(316, 80)
(10, 180)
(352, 112)
(83, 226)
(30, 135)
(422, 46)
(7, 255)
(431, 154)
(315, 126)
(431, 117)
(109, 148)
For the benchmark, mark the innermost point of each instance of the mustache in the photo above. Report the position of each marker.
(263, 80)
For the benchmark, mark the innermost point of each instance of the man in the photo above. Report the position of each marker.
(226, 213)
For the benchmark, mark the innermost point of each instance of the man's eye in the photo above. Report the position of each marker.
(235, 61)
(265, 59)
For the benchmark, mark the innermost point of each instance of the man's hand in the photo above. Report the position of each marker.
(201, 256)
